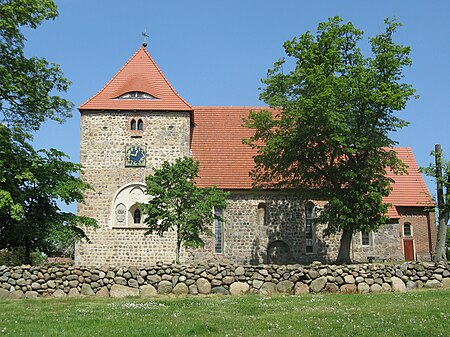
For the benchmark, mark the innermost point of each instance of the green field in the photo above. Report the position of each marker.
(420, 313)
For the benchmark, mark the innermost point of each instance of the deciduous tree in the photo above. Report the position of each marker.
(31, 184)
(28, 85)
(440, 171)
(177, 203)
(331, 124)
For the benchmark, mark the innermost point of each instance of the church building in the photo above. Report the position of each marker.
(137, 121)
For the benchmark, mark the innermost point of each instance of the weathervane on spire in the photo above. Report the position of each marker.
(145, 35)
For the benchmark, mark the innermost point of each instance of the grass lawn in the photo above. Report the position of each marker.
(420, 313)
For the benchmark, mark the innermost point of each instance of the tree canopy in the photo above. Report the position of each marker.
(331, 122)
(177, 203)
(28, 85)
(33, 182)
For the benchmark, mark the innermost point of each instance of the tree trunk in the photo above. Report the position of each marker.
(344, 248)
(27, 257)
(177, 253)
(439, 251)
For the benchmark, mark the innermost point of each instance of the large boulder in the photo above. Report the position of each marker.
(363, 288)
(318, 284)
(164, 287)
(73, 292)
(349, 289)
(397, 284)
(119, 291)
(446, 282)
(180, 289)
(267, 288)
(376, 288)
(102, 292)
(203, 286)
(148, 290)
(301, 289)
(220, 291)
(239, 288)
(86, 290)
(285, 287)
(433, 284)
(59, 293)
(4, 293)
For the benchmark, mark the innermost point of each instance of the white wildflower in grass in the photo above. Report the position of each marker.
(139, 306)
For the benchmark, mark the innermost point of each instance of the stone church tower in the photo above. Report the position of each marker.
(135, 123)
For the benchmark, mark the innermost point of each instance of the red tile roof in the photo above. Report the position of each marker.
(142, 74)
(226, 162)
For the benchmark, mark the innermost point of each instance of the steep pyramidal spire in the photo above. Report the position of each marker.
(139, 85)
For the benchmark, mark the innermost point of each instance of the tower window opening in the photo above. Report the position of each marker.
(137, 216)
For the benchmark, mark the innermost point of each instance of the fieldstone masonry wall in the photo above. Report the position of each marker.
(165, 279)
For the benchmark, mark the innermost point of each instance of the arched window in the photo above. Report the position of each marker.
(309, 227)
(261, 214)
(365, 238)
(137, 216)
(133, 124)
(407, 230)
(140, 124)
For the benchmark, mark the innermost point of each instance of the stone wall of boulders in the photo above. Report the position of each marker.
(165, 279)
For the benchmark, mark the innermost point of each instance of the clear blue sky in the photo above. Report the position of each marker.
(215, 52)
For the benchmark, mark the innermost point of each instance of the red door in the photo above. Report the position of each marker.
(408, 249)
